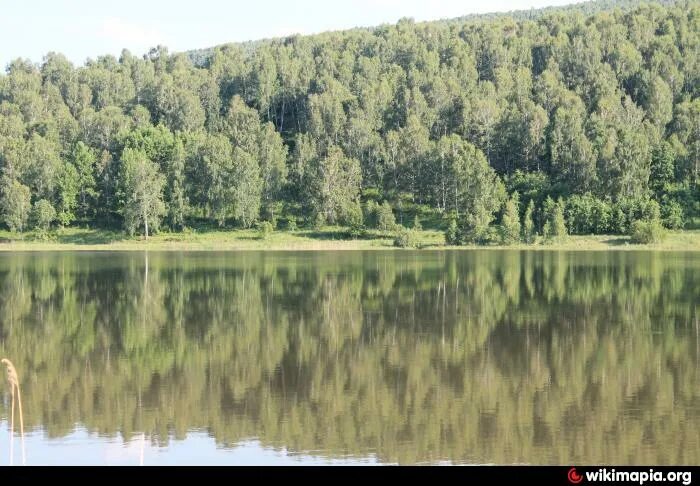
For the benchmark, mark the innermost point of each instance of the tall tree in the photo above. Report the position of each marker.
(142, 192)
(334, 186)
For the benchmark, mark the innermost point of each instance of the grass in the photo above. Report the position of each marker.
(328, 238)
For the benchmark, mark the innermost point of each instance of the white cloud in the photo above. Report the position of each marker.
(131, 34)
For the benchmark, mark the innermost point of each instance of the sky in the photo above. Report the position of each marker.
(82, 29)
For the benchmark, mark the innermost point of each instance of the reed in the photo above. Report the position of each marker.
(13, 380)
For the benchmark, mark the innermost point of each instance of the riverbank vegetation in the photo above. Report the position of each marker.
(491, 131)
(326, 238)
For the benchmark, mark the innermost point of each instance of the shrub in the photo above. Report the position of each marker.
(672, 214)
(406, 238)
(647, 231)
(291, 223)
(265, 229)
(587, 214)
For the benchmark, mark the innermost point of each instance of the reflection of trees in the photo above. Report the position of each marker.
(474, 356)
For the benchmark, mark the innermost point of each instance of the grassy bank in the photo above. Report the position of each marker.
(331, 238)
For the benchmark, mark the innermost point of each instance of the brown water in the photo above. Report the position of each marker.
(384, 357)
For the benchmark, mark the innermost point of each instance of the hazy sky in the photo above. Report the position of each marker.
(88, 28)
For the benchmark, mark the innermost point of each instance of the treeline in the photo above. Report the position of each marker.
(488, 129)
(480, 357)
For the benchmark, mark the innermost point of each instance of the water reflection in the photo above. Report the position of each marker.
(405, 357)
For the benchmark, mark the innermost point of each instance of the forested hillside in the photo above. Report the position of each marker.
(566, 121)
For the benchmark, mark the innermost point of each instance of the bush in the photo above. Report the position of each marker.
(672, 214)
(628, 210)
(647, 231)
(385, 217)
(43, 214)
(587, 214)
(406, 238)
(265, 229)
(291, 224)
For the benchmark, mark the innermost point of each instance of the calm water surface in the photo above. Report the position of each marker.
(378, 357)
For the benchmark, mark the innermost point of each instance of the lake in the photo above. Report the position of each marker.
(377, 357)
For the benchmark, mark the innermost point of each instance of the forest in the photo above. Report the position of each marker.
(504, 128)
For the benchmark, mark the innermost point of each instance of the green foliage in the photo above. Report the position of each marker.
(15, 204)
(417, 226)
(452, 117)
(555, 222)
(352, 217)
(142, 192)
(265, 229)
(334, 185)
(83, 159)
(646, 232)
(42, 216)
(68, 189)
(406, 238)
(510, 222)
(587, 214)
(248, 188)
(671, 213)
(385, 217)
(176, 195)
(529, 232)
(452, 236)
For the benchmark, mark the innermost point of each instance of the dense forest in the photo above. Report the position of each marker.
(578, 120)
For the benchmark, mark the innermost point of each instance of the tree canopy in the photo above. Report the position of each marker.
(589, 101)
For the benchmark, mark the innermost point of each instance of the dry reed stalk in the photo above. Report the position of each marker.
(13, 380)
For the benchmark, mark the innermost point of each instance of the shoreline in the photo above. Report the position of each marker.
(327, 239)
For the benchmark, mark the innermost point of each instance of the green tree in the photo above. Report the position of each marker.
(334, 185)
(15, 204)
(529, 232)
(248, 188)
(43, 215)
(68, 189)
(84, 159)
(555, 222)
(385, 217)
(142, 192)
(176, 195)
(510, 221)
